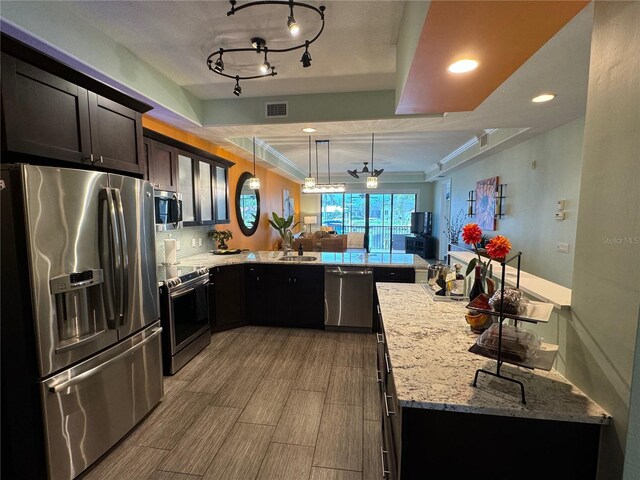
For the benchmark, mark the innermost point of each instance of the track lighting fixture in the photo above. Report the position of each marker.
(216, 65)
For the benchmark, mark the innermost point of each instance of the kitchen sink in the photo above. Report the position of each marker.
(298, 258)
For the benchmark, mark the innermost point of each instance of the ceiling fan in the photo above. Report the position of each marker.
(365, 169)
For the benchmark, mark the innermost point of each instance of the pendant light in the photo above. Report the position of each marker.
(254, 182)
(310, 182)
(372, 180)
(324, 187)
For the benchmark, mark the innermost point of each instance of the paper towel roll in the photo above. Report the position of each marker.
(170, 251)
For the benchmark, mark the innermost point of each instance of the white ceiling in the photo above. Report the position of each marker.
(356, 52)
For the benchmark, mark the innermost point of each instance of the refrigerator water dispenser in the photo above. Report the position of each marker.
(79, 307)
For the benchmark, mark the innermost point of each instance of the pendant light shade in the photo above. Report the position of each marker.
(254, 182)
(372, 182)
(309, 182)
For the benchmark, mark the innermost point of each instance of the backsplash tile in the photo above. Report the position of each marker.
(184, 236)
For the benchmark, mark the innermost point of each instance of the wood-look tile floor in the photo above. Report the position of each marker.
(264, 404)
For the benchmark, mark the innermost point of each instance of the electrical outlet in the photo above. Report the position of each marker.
(178, 246)
(193, 242)
(562, 247)
(199, 242)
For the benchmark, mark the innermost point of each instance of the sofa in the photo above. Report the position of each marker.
(325, 242)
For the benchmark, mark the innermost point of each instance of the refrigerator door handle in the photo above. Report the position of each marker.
(109, 253)
(95, 370)
(124, 267)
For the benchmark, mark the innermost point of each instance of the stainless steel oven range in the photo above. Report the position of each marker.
(184, 313)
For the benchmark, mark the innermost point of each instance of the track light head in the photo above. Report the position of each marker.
(265, 67)
(292, 25)
(219, 65)
(237, 90)
(306, 59)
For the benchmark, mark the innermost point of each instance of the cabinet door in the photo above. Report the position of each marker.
(276, 295)
(187, 187)
(116, 135)
(205, 177)
(222, 194)
(229, 297)
(256, 295)
(163, 166)
(44, 115)
(307, 308)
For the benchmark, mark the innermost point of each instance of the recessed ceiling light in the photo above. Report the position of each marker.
(308, 130)
(463, 66)
(545, 97)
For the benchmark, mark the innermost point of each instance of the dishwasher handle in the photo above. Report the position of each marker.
(352, 273)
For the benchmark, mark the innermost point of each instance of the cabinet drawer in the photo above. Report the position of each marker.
(387, 453)
(395, 275)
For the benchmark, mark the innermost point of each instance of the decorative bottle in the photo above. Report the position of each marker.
(457, 287)
(477, 288)
(441, 282)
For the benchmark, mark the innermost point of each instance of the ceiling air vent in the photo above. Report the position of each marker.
(277, 110)
(483, 140)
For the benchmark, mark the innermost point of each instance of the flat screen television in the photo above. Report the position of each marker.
(421, 223)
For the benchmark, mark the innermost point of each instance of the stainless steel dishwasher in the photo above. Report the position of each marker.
(348, 298)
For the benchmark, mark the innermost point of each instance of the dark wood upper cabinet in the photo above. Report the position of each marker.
(116, 135)
(47, 116)
(44, 115)
(162, 165)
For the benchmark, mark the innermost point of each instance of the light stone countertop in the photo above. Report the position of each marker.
(537, 287)
(428, 345)
(323, 258)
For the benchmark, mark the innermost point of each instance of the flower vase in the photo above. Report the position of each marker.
(286, 243)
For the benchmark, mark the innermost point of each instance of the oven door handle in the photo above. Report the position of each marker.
(180, 292)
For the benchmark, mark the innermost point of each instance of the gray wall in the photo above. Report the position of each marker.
(601, 335)
(538, 173)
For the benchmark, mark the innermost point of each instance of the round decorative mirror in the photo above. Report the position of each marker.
(247, 205)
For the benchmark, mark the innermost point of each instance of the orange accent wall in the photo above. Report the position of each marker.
(271, 186)
(501, 36)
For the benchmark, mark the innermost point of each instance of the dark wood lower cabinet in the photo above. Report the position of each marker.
(446, 444)
(286, 296)
(268, 295)
(227, 297)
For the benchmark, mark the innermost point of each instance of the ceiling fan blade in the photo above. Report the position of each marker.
(353, 173)
(377, 173)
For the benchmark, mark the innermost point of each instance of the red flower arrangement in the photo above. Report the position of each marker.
(497, 248)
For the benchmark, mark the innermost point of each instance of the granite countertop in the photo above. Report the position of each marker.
(539, 288)
(428, 345)
(323, 258)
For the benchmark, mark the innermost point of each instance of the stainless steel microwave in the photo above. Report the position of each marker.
(168, 210)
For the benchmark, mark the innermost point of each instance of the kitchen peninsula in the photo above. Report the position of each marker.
(436, 421)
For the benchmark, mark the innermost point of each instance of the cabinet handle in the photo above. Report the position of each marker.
(378, 308)
(294, 280)
(387, 363)
(257, 278)
(384, 467)
(90, 158)
(380, 337)
(101, 159)
(386, 404)
(378, 376)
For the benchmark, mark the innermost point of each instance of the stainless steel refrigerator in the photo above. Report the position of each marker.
(81, 354)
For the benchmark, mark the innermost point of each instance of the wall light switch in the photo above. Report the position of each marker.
(178, 246)
(199, 242)
(193, 242)
(562, 247)
(559, 215)
(560, 205)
